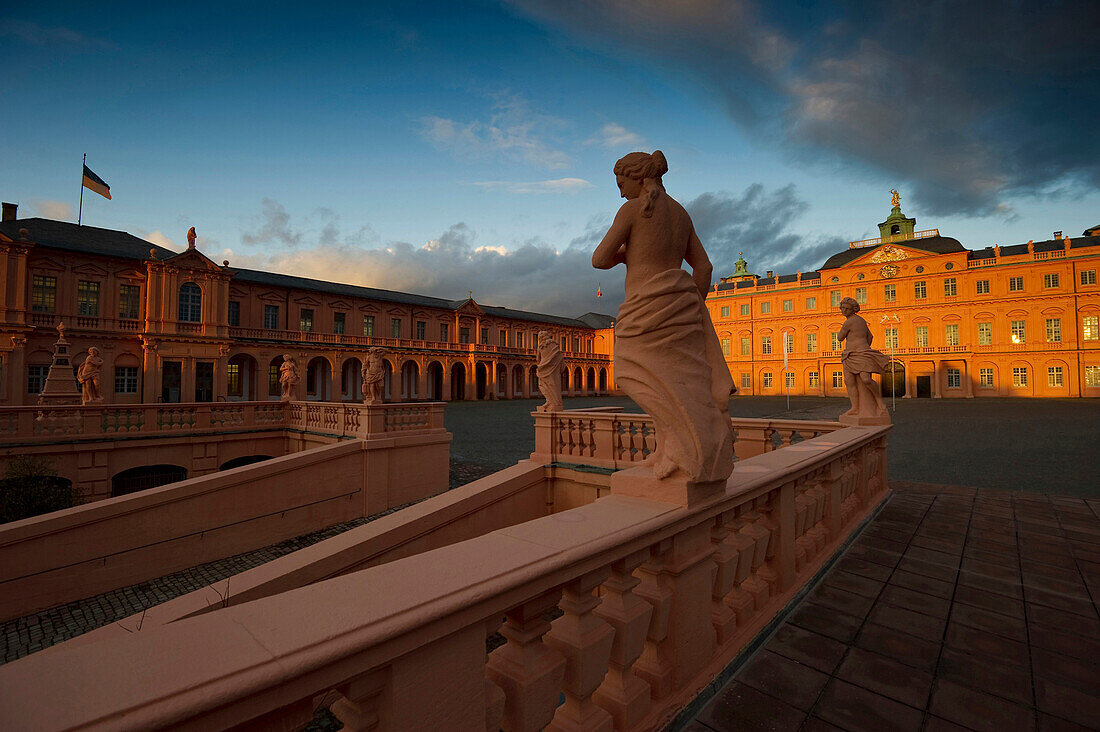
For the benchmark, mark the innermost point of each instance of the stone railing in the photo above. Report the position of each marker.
(608, 438)
(655, 600)
(893, 237)
(33, 425)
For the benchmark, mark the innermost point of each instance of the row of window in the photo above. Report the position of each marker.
(126, 379)
(1090, 327)
(44, 298)
(920, 292)
(1055, 378)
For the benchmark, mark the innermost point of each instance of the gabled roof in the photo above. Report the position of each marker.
(932, 245)
(597, 320)
(90, 239)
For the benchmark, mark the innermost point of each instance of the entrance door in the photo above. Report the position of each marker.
(204, 381)
(893, 380)
(170, 382)
(924, 387)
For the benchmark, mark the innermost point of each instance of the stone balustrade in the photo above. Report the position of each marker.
(610, 438)
(655, 600)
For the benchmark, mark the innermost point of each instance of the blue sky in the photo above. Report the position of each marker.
(446, 147)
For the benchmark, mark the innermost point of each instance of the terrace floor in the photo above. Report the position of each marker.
(956, 608)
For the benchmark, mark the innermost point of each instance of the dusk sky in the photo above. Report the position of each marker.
(443, 147)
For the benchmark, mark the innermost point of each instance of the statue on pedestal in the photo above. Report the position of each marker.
(667, 355)
(549, 372)
(374, 376)
(860, 361)
(88, 376)
(289, 376)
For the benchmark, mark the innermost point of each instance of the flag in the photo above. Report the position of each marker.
(599, 291)
(94, 183)
(785, 352)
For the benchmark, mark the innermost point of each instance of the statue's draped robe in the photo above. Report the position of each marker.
(549, 373)
(668, 360)
(864, 361)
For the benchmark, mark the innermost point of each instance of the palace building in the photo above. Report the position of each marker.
(178, 327)
(1018, 320)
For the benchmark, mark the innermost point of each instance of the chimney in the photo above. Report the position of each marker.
(11, 211)
(1057, 234)
(770, 273)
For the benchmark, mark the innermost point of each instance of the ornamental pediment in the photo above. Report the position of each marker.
(235, 291)
(307, 300)
(340, 305)
(130, 274)
(369, 308)
(470, 308)
(270, 296)
(194, 260)
(90, 270)
(47, 264)
(886, 254)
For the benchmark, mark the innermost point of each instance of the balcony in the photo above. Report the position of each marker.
(896, 237)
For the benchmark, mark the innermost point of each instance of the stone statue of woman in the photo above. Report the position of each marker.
(289, 377)
(667, 356)
(549, 372)
(374, 376)
(88, 376)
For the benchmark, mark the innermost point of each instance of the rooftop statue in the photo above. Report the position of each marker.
(374, 377)
(549, 372)
(289, 376)
(88, 376)
(191, 238)
(860, 361)
(895, 198)
(667, 356)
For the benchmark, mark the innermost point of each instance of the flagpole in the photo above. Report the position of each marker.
(80, 208)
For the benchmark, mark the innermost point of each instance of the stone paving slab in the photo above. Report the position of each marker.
(956, 608)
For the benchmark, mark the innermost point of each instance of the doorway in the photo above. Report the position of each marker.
(204, 381)
(170, 382)
(924, 387)
(893, 380)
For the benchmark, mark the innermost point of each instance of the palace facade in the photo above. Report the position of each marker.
(1017, 320)
(178, 327)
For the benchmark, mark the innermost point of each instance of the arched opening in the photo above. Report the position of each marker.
(190, 310)
(240, 377)
(458, 382)
(533, 382)
(145, 477)
(578, 381)
(410, 381)
(274, 388)
(502, 381)
(435, 381)
(591, 382)
(244, 460)
(893, 380)
(319, 380)
(127, 379)
(603, 381)
(351, 380)
(564, 382)
(895, 229)
(481, 378)
(518, 391)
(387, 380)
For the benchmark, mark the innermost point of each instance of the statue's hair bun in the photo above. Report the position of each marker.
(660, 165)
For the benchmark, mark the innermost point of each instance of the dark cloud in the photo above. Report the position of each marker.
(272, 226)
(51, 37)
(966, 104)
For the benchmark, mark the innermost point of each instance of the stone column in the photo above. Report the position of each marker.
(15, 373)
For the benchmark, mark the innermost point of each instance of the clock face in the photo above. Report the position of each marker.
(889, 270)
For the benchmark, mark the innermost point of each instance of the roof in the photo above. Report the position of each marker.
(111, 243)
(90, 239)
(1091, 231)
(598, 320)
(932, 245)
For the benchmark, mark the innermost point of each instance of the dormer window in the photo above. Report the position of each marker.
(190, 303)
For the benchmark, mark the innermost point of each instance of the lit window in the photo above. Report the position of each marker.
(305, 320)
(1054, 330)
(129, 302)
(232, 378)
(126, 379)
(788, 342)
(922, 336)
(951, 334)
(765, 344)
(985, 377)
(1054, 376)
(746, 381)
(950, 287)
(811, 343)
(834, 343)
(1015, 284)
(767, 377)
(1088, 277)
(726, 347)
(985, 334)
(954, 378)
(765, 307)
(838, 379)
(1019, 331)
(273, 387)
(813, 379)
(190, 310)
(982, 287)
(788, 306)
(861, 295)
(271, 317)
(834, 298)
(788, 379)
(746, 346)
(725, 311)
(745, 309)
(1050, 279)
(368, 325)
(87, 298)
(891, 337)
(890, 293)
(920, 290)
(43, 295)
(1092, 376)
(1019, 375)
(1090, 326)
(811, 303)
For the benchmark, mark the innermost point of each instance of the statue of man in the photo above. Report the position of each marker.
(88, 376)
(289, 377)
(667, 356)
(895, 197)
(549, 372)
(860, 361)
(374, 376)
(191, 238)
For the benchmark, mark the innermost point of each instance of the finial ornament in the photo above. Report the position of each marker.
(191, 238)
(895, 198)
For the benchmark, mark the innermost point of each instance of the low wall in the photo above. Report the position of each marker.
(401, 645)
(83, 551)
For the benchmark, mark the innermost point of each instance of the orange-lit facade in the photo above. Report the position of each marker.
(1018, 320)
(178, 327)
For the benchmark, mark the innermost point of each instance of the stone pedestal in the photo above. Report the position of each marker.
(861, 420)
(641, 483)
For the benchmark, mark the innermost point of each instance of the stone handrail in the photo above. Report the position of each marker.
(608, 438)
(402, 645)
(33, 425)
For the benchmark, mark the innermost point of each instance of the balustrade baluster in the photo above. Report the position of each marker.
(529, 671)
(738, 599)
(766, 506)
(585, 640)
(623, 694)
(722, 617)
(359, 705)
(651, 666)
(756, 585)
(494, 695)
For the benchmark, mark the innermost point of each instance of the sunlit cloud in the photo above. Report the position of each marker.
(558, 185)
(613, 135)
(57, 210)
